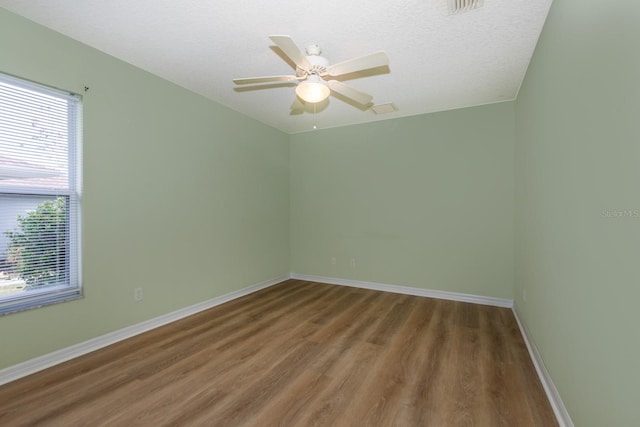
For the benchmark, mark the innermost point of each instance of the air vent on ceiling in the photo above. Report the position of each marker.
(389, 107)
(459, 6)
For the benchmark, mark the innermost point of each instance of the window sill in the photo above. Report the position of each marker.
(39, 299)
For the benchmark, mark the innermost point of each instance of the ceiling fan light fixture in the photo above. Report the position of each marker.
(313, 89)
(312, 70)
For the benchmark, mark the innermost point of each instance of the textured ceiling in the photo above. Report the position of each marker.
(437, 61)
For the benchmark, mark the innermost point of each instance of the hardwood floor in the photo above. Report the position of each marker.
(300, 354)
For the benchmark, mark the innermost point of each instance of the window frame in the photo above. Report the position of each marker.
(53, 294)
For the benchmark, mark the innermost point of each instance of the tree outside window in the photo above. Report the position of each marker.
(38, 248)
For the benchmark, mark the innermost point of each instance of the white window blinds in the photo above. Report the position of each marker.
(39, 193)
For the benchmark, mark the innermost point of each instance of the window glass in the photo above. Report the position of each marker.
(39, 193)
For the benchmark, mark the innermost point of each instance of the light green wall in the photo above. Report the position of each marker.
(182, 196)
(577, 165)
(424, 201)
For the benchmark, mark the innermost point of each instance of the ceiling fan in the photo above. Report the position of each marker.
(315, 77)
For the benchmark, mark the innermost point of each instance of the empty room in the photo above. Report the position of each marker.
(401, 213)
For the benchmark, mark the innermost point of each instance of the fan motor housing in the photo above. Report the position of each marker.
(313, 49)
(318, 63)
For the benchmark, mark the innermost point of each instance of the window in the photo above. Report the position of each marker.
(39, 195)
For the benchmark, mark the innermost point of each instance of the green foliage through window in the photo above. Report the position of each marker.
(38, 250)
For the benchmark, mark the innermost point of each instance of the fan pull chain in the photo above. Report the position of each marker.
(314, 117)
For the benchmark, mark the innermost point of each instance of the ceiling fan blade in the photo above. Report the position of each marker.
(373, 60)
(291, 50)
(349, 92)
(268, 79)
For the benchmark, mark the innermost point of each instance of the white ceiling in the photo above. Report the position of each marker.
(437, 61)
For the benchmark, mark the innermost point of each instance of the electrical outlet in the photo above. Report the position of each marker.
(352, 263)
(138, 294)
(333, 261)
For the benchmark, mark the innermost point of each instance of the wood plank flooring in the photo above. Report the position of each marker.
(300, 354)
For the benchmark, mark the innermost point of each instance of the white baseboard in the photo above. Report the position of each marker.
(564, 420)
(31, 366)
(452, 296)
